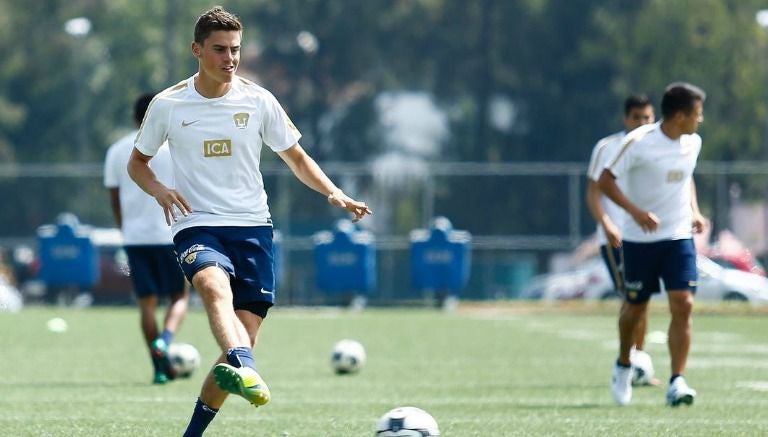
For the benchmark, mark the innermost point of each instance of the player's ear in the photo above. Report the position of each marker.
(196, 49)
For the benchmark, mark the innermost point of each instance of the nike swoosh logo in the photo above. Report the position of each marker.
(185, 124)
(263, 291)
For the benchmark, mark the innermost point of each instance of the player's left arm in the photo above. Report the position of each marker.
(114, 203)
(307, 171)
(699, 221)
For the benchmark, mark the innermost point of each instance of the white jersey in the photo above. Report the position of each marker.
(658, 173)
(143, 220)
(216, 148)
(603, 150)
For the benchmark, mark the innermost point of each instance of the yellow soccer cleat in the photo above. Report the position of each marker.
(243, 381)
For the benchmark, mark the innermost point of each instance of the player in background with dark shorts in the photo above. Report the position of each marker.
(638, 111)
(148, 242)
(656, 163)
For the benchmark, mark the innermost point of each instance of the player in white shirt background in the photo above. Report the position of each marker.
(148, 242)
(656, 163)
(215, 123)
(638, 111)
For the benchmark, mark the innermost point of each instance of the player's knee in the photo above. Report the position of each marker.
(681, 303)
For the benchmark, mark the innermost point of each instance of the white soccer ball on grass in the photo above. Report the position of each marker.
(407, 422)
(184, 359)
(642, 368)
(348, 356)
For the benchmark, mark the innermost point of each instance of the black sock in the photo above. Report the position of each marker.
(674, 377)
(201, 417)
(626, 366)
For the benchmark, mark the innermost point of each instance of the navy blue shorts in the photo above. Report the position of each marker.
(614, 262)
(154, 270)
(244, 252)
(673, 261)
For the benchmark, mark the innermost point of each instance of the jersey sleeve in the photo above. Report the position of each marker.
(110, 167)
(278, 131)
(595, 167)
(154, 128)
(620, 160)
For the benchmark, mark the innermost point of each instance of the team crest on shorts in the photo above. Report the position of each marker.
(190, 255)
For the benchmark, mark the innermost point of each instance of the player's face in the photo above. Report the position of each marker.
(689, 123)
(219, 55)
(638, 117)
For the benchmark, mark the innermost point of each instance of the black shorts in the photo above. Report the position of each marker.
(672, 261)
(244, 252)
(154, 270)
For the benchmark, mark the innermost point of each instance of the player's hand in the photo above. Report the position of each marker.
(647, 221)
(171, 200)
(613, 235)
(341, 200)
(700, 223)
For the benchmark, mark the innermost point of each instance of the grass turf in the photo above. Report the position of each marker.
(509, 370)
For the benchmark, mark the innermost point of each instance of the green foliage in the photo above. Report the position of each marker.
(564, 67)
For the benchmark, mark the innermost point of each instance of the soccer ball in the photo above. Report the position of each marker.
(184, 358)
(348, 357)
(407, 422)
(642, 368)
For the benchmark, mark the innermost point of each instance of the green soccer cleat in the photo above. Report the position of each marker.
(242, 381)
(160, 378)
(160, 355)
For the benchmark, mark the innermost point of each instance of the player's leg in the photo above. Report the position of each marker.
(212, 284)
(639, 283)
(212, 397)
(149, 329)
(173, 285)
(679, 342)
(147, 310)
(680, 328)
(146, 290)
(630, 321)
(681, 277)
(211, 394)
(253, 288)
(177, 310)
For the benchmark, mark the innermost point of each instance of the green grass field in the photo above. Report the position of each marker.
(482, 371)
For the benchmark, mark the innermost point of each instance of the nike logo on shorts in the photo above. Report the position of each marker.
(263, 291)
(185, 124)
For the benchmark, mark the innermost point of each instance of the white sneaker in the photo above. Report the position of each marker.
(621, 384)
(680, 393)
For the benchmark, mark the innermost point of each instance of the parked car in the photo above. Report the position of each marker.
(744, 261)
(591, 281)
(718, 282)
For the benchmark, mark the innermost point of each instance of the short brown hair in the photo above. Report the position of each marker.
(214, 19)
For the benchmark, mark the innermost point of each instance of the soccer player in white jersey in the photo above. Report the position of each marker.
(216, 123)
(148, 242)
(638, 111)
(656, 162)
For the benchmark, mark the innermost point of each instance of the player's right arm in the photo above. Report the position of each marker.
(594, 198)
(595, 206)
(646, 219)
(146, 179)
(152, 134)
